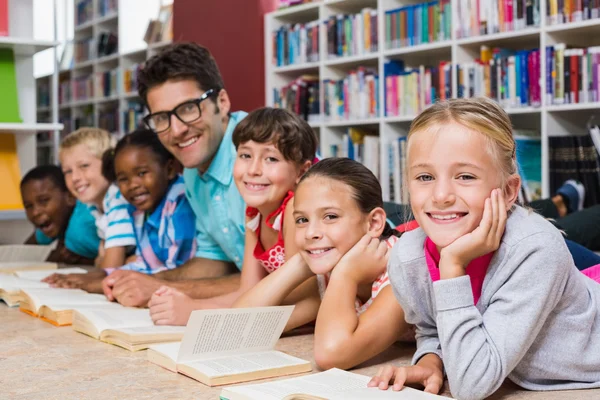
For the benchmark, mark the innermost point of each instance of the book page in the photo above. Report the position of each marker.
(324, 384)
(218, 333)
(244, 363)
(376, 394)
(24, 253)
(115, 317)
(152, 330)
(169, 350)
(39, 275)
(63, 299)
(13, 283)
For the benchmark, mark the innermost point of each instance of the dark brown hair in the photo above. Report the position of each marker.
(292, 136)
(180, 61)
(366, 190)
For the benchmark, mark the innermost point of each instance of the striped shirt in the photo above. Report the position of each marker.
(115, 225)
(381, 282)
(167, 237)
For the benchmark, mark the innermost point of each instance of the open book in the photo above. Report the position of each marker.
(25, 257)
(10, 288)
(220, 347)
(130, 328)
(38, 275)
(333, 384)
(56, 305)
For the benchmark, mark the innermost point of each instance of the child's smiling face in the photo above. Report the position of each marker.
(47, 207)
(451, 172)
(142, 179)
(83, 174)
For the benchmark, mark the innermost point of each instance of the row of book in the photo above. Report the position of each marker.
(130, 75)
(106, 83)
(510, 77)
(109, 120)
(573, 74)
(105, 44)
(484, 17)
(83, 87)
(561, 11)
(301, 96)
(43, 93)
(354, 97)
(84, 11)
(296, 44)
(409, 90)
(106, 7)
(352, 34)
(418, 24)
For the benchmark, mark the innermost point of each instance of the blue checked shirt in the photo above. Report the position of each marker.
(165, 238)
(114, 226)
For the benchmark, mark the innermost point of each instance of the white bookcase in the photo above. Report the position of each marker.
(129, 21)
(21, 40)
(549, 120)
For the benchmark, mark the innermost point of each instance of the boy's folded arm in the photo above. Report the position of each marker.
(480, 351)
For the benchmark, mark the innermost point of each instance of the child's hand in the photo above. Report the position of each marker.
(483, 240)
(364, 262)
(431, 378)
(168, 306)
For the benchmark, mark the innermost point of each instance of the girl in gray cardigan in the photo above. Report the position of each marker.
(490, 286)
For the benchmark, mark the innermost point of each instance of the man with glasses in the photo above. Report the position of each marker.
(190, 112)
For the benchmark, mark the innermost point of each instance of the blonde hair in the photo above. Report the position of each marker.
(478, 114)
(95, 139)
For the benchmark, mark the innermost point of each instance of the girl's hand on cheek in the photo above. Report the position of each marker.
(365, 261)
(483, 240)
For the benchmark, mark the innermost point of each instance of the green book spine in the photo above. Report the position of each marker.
(9, 100)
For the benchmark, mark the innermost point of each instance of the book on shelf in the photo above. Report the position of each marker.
(529, 161)
(418, 24)
(333, 384)
(84, 11)
(301, 96)
(109, 120)
(9, 101)
(129, 328)
(107, 83)
(129, 78)
(485, 17)
(108, 43)
(56, 305)
(83, 88)
(355, 97)
(397, 170)
(360, 145)
(509, 77)
(561, 12)
(106, 7)
(10, 175)
(3, 17)
(228, 346)
(296, 44)
(408, 91)
(352, 34)
(84, 49)
(572, 74)
(132, 116)
(160, 29)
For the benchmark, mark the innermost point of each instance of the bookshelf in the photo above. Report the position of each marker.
(21, 41)
(548, 118)
(127, 20)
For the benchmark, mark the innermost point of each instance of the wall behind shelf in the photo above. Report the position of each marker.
(233, 31)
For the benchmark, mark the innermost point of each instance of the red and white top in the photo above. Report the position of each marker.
(274, 257)
(381, 282)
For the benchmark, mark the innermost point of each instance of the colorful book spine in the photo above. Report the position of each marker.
(433, 23)
(301, 97)
(484, 17)
(107, 83)
(129, 78)
(356, 97)
(84, 11)
(109, 120)
(509, 77)
(83, 87)
(296, 44)
(132, 116)
(106, 7)
(85, 49)
(565, 11)
(352, 34)
(572, 74)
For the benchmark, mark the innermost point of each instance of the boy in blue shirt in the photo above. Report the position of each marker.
(56, 215)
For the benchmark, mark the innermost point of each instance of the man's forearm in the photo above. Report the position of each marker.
(206, 288)
(198, 268)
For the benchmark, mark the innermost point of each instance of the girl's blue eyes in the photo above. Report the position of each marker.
(429, 178)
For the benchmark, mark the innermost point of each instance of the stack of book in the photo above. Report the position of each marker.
(296, 44)
(301, 96)
(484, 17)
(408, 91)
(560, 12)
(352, 34)
(509, 77)
(355, 97)
(572, 74)
(418, 24)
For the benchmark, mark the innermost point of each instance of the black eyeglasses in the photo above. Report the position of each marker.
(187, 113)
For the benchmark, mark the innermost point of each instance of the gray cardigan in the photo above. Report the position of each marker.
(537, 321)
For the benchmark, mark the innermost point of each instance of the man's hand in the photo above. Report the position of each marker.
(365, 261)
(168, 306)
(131, 289)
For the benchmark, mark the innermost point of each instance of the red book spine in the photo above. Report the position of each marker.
(574, 79)
(3, 17)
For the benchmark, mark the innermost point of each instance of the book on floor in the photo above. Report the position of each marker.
(38, 275)
(11, 286)
(129, 328)
(333, 384)
(56, 305)
(221, 347)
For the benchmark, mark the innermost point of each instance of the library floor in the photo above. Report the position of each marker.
(40, 361)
